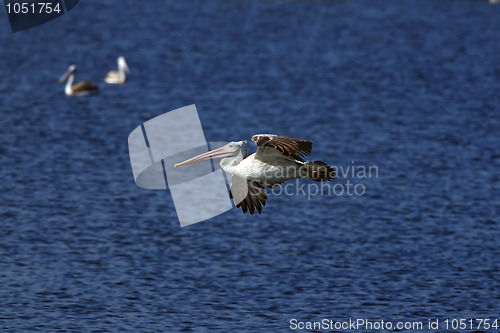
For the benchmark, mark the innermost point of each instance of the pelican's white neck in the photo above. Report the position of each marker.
(122, 68)
(69, 83)
(229, 164)
(121, 71)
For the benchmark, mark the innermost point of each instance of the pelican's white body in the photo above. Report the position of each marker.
(83, 88)
(267, 166)
(119, 76)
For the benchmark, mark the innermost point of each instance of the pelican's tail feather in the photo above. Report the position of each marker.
(318, 171)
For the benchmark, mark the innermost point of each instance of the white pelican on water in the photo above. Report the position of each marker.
(83, 88)
(118, 77)
(278, 158)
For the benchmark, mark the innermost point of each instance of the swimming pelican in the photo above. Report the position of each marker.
(118, 77)
(278, 158)
(83, 88)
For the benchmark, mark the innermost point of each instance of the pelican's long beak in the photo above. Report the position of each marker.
(213, 154)
(65, 76)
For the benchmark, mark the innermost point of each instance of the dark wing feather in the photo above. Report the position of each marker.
(83, 86)
(251, 197)
(295, 148)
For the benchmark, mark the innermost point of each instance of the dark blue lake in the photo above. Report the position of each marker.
(410, 87)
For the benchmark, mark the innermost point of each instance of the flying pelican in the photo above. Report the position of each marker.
(83, 88)
(278, 158)
(118, 77)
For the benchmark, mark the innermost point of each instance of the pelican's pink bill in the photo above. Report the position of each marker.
(210, 155)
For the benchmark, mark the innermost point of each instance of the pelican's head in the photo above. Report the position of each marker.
(232, 149)
(123, 64)
(71, 70)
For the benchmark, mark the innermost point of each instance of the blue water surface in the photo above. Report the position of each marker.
(411, 87)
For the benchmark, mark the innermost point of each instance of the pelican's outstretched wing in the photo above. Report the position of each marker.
(295, 148)
(249, 195)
